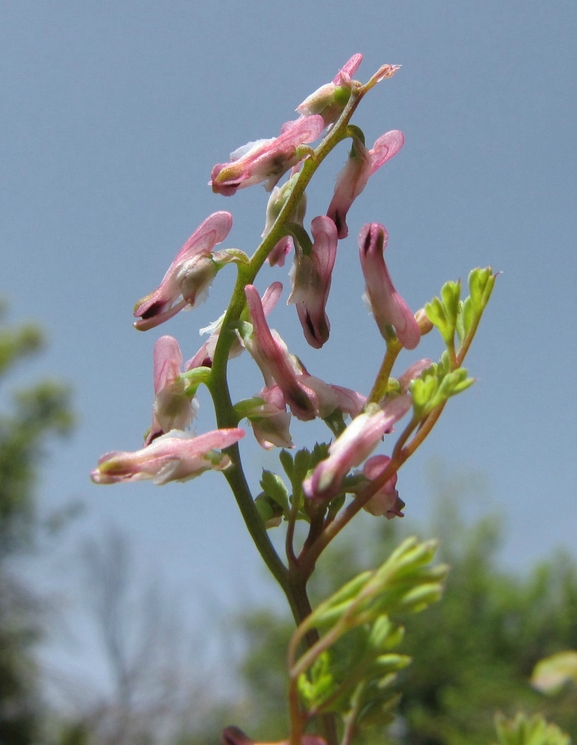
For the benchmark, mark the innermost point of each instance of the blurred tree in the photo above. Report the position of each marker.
(473, 653)
(31, 416)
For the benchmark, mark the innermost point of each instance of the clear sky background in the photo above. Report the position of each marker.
(113, 115)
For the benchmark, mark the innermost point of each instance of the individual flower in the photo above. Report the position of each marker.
(189, 276)
(362, 163)
(276, 364)
(311, 281)
(205, 355)
(265, 160)
(330, 99)
(386, 501)
(353, 446)
(330, 397)
(174, 403)
(270, 419)
(175, 456)
(386, 305)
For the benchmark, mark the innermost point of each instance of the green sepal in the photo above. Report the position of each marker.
(244, 328)
(335, 421)
(246, 405)
(193, 378)
(301, 237)
(274, 487)
(234, 255)
(357, 135)
(269, 511)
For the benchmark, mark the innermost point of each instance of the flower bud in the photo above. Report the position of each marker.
(387, 306)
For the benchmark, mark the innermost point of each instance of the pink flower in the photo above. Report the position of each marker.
(174, 404)
(329, 398)
(386, 501)
(311, 281)
(276, 364)
(306, 396)
(353, 446)
(172, 457)
(189, 276)
(362, 163)
(205, 355)
(330, 99)
(387, 306)
(270, 420)
(265, 160)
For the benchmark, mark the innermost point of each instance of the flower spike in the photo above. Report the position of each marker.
(188, 277)
(387, 306)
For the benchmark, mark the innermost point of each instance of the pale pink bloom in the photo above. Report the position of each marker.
(270, 420)
(189, 276)
(362, 163)
(173, 407)
(386, 305)
(386, 501)
(330, 99)
(235, 736)
(311, 281)
(306, 395)
(353, 446)
(277, 256)
(175, 456)
(265, 160)
(276, 364)
(205, 355)
(329, 398)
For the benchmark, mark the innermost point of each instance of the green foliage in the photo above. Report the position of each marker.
(36, 413)
(435, 385)
(473, 653)
(275, 502)
(449, 314)
(350, 670)
(525, 730)
(443, 311)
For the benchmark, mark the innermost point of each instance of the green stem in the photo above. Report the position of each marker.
(382, 381)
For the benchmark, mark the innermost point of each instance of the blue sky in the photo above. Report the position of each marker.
(113, 116)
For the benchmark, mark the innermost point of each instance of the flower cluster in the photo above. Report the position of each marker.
(332, 482)
(289, 389)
